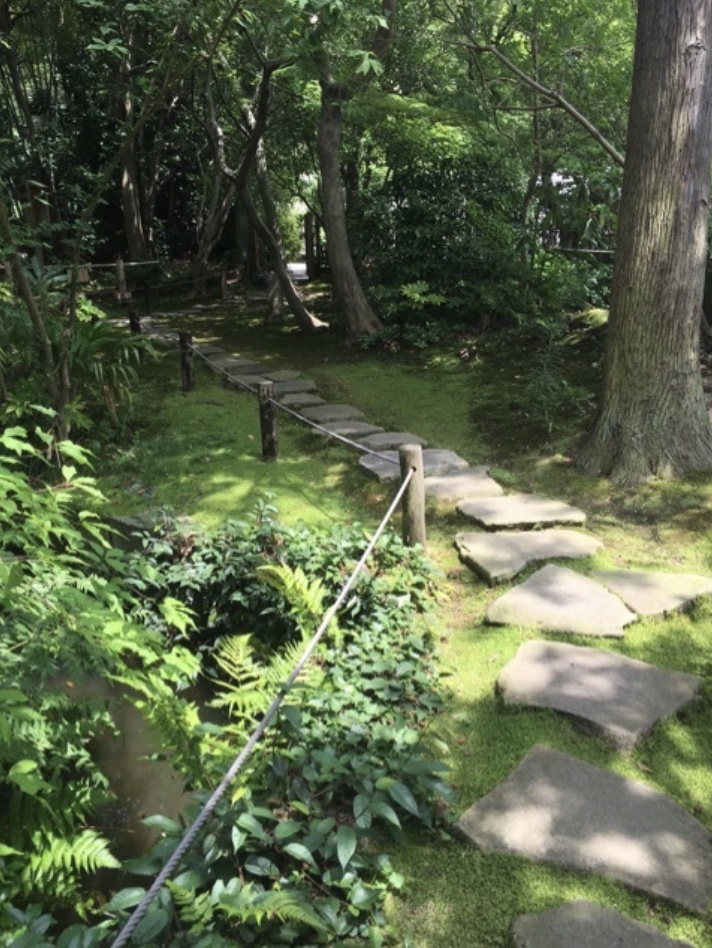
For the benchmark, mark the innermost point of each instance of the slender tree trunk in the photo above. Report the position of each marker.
(360, 317)
(653, 421)
(305, 319)
(130, 194)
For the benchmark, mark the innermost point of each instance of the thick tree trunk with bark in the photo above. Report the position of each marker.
(653, 421)
(360, 318)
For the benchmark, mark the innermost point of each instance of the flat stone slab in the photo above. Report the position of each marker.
(301, 400)
(500, 556)
(386, 466)
(474, 482)
(620, 697)
(349, 429)
(520, 510)
(558, 599)
(389, 440)
(292, 386)
(281, 375)
(233, 370)
(209, 351)
(558, 810)
(587, 925)
(651, 594)
(251, 381)
(324, 413)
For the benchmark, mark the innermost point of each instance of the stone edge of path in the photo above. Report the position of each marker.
(558, 810)
(498, 557)
(586, 924)
(618, 697)
(552, 600)
(514, 511)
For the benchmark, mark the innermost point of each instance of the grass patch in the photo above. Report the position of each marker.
(199, 453)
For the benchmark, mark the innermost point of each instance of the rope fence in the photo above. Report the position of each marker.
(192, 833)
(187, 385)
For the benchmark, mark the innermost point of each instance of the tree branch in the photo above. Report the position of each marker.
(554, 96)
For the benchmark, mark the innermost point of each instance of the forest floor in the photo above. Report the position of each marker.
(517, 404)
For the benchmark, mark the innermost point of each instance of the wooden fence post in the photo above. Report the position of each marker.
(134, 321)
(268, 422)
(186, 361)
(411, 458)
(122, 291)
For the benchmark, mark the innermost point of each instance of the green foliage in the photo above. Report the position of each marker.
(294, 857)
(221, 575)
(63, 619)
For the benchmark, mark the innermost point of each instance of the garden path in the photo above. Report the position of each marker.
(553, 808)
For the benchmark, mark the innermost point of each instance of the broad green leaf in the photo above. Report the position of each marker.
(150, 926)
(402, 795)
(297, 851)
(345, 844)
(125, 898)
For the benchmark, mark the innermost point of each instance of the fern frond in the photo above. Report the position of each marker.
(305, 598)
(275, 905)
(244, 692)
(195, 911)
(55, 865)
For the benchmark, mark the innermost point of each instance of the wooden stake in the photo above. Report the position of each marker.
(186, 361)
(411, 458)
(268, 422)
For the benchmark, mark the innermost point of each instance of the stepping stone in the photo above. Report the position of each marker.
(560, 811)
(520, 510)
(349, 429)
(324, 413)
(390, 440)
(651, 594)
(500, 556)
(210, 351)
(280, 375)
(241, 381)
(386, 466)
(560, 600)
(620, 697)
(301, 400)
(587, 925)
(243, 368)
(292, 386)
(473, 482)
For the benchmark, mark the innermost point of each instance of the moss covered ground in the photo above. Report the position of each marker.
(198, 453)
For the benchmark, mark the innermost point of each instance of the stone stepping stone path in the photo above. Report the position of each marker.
(587, 925)
(520, 510)
(620, 697)
(560, 811)
(349, 429)
(468, 483)
(292, 386)
(651, 594)
(386, 466)
(324, 413)
(558, 599)
(500, 556)
(554, 809)
(390, 440)
(301, 400)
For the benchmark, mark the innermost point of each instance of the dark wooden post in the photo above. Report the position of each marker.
(134, 321)
(268, 422)
(186, 361)
(223, 285)
(122, 291)
(411, 457)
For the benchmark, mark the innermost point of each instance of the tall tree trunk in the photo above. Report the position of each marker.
(653, 421)
(360, 318)
(130, 194)
(305, 319)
